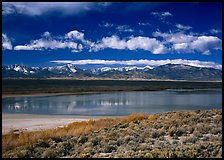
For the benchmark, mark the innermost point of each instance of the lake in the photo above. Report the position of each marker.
(116, 103)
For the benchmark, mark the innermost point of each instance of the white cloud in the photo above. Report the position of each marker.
(75, 40)
(75, 35)
(178, 37)
(133, 43)
(46, 34)
(120, 28)
(113, 42)
(6, 43)
(146, 43)
(23, 47)
(39, 8)
(206, 43)
(144, 24)
(49, 42)
(181, 42)
(215, 31)
(165, 14)
(124, 28)
(42, 44)
(183, 27)
(162, 15)
(107, 25)
(182, 47)
(154, 63)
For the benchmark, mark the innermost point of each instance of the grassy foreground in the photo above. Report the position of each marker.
(172, 134)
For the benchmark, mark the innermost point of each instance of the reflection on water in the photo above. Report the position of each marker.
(116, 103)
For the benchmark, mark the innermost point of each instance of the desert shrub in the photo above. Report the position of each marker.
(203, 128)
(42, 143)
(190, 129)
(155, 152)
(155, 134)
(153, 117)
(67, 145)
(196, 133)
(56, 139)
(125, 125)
(109, 148)
(22, 154)
(148, 155)
(165, 126)
(88, 150)
(172, 131)
(120, 141)
(216, 130)
(180, 131)
(191, 139)
(95, 141)
(127, 138)
(217, 119)
(113, 135)
(83, 139)
(48, 153)
(112, 142)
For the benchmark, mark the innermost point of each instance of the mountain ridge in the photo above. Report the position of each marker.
(162, 72)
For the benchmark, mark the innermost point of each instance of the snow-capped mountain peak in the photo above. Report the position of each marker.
(17, 68)
(121, 69)
(71, 68)
(168, 71)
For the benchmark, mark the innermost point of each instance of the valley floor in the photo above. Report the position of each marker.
(173, 134)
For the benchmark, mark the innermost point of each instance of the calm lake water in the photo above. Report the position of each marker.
(116, 103)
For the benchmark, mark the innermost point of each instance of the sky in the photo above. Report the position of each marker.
(96, 34)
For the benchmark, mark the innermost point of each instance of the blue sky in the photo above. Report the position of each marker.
(93, 34)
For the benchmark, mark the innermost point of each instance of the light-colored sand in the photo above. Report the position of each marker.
(29, 122)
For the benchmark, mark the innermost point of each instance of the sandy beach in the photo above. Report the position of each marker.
(31, 122)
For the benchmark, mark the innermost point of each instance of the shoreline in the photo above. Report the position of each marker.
(33, 122)
(85, 93)
(43, 94)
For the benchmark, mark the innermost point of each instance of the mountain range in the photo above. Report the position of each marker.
(163, 72)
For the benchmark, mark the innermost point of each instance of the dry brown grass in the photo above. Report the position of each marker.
(13, 140)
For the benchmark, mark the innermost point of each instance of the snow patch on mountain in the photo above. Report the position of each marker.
(72, 68)
(121, 69)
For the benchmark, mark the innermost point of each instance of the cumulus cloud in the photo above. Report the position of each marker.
(39, 8)
(42, 44)
(75, 35)
(133, 43)
(205, 43)
(183, 27)
(6, 43)
(154, 63)
(181, 42)
(75, 40)
(51, 43)
(178, 37)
